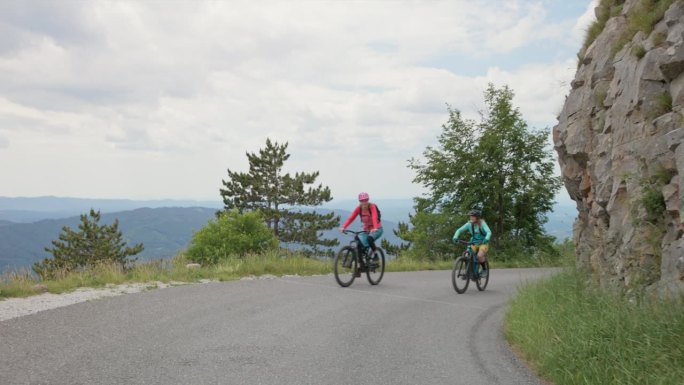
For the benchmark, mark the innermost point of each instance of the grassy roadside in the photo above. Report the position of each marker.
(21, 284)
(575, 335)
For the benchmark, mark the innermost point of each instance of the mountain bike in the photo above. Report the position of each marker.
(467, 268)
(354, 259)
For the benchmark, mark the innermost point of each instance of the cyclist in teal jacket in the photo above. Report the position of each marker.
(480, 234)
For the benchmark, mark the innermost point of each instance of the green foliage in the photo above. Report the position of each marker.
(231, 234)
(275, 193)
(665, 101)
(91, 245)
(642, 18)
(662, 105)
(606, 10)
(275, 262)
(652, 199)
(430, 236)
(499, 163)
(653, 202)
(545, 254)
(574, 334)
(391, 249)
(638, 51)
(659, 38)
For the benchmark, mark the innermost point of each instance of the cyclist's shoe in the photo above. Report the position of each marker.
(357, 274)
(484, 273)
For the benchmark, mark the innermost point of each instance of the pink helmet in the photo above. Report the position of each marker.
(363, 196)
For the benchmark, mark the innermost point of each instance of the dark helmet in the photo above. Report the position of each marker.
(475, 213)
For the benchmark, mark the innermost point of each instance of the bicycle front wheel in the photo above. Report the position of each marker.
(482, 281)
(376, 267)
(460, 275)
(345, 265)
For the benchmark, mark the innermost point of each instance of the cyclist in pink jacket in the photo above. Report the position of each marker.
(370, 218)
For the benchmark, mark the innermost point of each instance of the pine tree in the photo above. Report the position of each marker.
(265, 187)
(92, 244)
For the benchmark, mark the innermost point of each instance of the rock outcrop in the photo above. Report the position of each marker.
(618, 142)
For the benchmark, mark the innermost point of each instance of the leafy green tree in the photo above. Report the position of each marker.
(92, 244)
(266, 187)
(231, 234)
(498, 163)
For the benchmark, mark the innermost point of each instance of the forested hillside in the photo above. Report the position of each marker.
(163, 231)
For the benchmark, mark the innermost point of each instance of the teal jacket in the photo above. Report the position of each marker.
(478, 233)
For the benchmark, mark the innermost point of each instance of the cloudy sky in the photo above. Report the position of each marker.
(155, 99)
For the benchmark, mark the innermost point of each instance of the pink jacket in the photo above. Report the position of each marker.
(369, 218)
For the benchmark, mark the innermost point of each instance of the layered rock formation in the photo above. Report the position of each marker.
(618, 141)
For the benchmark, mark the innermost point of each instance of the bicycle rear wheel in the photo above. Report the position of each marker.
(376, 268)
(345, 265)
(460, 274)
(482, 281)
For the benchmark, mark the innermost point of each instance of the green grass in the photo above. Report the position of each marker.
(607, 9)
(638, 51)
(21, 284)
(278, 263)
(411, 264)
(575, 335)
(643, 18)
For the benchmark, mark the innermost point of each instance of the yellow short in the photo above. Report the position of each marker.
(482, 247)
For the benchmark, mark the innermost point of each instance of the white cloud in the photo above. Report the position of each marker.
(156, 99)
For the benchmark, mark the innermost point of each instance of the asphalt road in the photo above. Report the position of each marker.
(411, 329)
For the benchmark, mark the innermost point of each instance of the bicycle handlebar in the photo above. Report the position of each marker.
(465, 242)
(354, 232)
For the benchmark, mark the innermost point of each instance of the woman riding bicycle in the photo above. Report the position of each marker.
(370, 220)
(480, 234)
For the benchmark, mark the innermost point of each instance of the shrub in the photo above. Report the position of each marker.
(639, 51)
(231, 234)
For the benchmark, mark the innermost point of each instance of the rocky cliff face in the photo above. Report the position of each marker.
(618, 141)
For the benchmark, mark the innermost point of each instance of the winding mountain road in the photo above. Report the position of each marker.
(411, 329)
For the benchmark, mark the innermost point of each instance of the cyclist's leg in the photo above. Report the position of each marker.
(482, 258)
(363, 246)
(482, 253)
(373, 236)
(364, 239)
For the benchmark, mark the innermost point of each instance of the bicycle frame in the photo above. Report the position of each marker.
(472, 258)
(356, 241)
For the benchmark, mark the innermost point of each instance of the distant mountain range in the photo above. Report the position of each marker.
(26, 210)
(28, 225)
(163, 231)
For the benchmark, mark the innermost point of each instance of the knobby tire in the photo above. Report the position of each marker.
(460, 274)
(482, 282)
(345, 275)
(375, 273)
